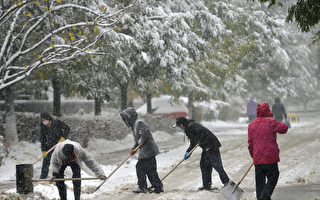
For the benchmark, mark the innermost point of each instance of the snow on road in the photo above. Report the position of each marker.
(299, 166)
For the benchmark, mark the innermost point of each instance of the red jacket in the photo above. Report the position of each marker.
(262, 136)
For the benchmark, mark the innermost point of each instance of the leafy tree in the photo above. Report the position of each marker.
(43, 33)
(304, 12)
(37, 33)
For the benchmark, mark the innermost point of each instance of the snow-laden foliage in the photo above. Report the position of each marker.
(226, 50)
(43, 33)
(269, 54)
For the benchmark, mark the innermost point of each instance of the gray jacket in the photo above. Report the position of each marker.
(82, 157)
(141, 134)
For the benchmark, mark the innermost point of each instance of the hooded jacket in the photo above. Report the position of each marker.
(50, 135)
(278, 110)
(141, 134)
(199, 134)
(81, 157)
(262, 136)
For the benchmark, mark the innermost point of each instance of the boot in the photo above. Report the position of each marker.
(158, 190)
(206, 188)
(140, 190)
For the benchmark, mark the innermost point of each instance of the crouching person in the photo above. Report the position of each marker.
(70, 153)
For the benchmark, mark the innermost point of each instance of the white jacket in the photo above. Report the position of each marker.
(82, 156)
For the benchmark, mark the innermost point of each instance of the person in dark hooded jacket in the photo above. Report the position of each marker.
(251, 110)
(52, 131)
(264, 150)
(278, 110)
(147, 164)
(210, 157)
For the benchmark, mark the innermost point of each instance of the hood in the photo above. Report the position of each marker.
(277, 100)
(45, 116)
(130, 115)
(263, 110)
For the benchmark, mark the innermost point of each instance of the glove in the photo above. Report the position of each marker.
(140, 145)
(62, 139)
(44, 154)
(102, 177)
(132, 151)
(186, 156)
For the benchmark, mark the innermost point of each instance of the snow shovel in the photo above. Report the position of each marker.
(232, 191)
(194, 148)
(115, 170)
(245, 174)
(52, 148)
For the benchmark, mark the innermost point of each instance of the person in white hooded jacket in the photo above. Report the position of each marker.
(70, 153)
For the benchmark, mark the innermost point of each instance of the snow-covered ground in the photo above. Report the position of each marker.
(299, 166)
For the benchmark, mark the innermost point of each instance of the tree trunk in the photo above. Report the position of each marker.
(56, 96)
(149, 104)
(192, 113)
(10, 117)
(97, 106)
(124, 96)
(24, 174)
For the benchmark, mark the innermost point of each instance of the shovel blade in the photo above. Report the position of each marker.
(230, 191)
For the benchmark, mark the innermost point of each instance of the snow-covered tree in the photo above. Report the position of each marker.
(42, 33)
(37, 33)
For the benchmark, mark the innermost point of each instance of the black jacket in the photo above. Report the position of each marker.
(279, 111)
(50, 135)
(199, 134)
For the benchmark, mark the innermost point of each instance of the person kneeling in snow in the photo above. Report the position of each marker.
(147, 163)
(70, 153)
(264, 150)
(210, 157)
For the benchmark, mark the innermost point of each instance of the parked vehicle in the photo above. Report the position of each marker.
(164, 106)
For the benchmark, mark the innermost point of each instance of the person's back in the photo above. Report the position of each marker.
(201, 135)
(263, 148)
(278, 110)
(262, 136)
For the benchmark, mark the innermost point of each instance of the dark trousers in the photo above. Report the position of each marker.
(212, 159)
(148, 167)
(266, 179)
(45, 166)
(76, 173)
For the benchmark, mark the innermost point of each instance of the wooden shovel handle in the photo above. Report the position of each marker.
(97, 188)
(68, 179)
(46, 152)
(194, 148)
(245, 174)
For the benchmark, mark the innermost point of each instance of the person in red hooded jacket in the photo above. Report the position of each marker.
(264, 150)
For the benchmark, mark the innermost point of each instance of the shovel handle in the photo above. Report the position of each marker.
(242, 178)
(97, 188)
(194, 148)
(68, 179)
(46, 152)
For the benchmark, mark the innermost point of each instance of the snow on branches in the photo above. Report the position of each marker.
(43, 33)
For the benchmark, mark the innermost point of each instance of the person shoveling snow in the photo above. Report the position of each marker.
(210, 157)
(70, 153)
(264, 150)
